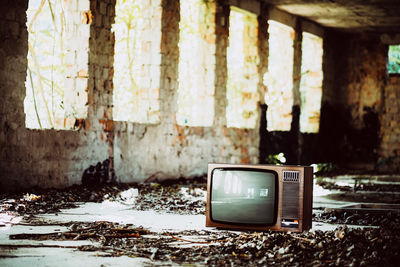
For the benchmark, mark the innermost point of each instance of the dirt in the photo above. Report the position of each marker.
(363, 192)
(389, 219)
(165, 196)
(342, 247)
(360, 187)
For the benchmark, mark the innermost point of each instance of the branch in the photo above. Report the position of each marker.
(301, 238)
(190, 241)
(40, 82)
(35, 246)
(34, 98)
(35, 16)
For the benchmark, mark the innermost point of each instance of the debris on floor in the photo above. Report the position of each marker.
(376, 241)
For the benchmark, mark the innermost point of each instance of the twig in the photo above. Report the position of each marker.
(35, 246)
(104, 248)
(43, 224)
(34, 98)
(52, 15)
(88, 228)
(33, 55)
(33, 236)
(126, 230)
(190, 241)
(88, 235)
(78, 235)
(301, 238)
(122, 235)
(35, 16)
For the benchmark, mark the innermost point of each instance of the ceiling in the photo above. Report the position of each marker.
(349, 15)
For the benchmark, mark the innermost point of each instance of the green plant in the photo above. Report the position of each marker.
(275, 158)
(325, 167)
(393, 65)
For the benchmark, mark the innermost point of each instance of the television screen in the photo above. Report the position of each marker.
(244, 196)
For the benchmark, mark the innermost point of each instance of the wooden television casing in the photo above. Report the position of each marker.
(295, 198)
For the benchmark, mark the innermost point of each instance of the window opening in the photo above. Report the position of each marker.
(279, 78)
(242, 61)
(196, 63)
(393, 65)
(57, 71)
(311, 82)
(137, 59)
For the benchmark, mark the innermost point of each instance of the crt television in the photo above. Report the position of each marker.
(259, 197)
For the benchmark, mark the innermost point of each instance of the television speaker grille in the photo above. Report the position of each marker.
(291, 176)
(290, 200)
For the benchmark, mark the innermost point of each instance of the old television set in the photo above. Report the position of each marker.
(259, 197)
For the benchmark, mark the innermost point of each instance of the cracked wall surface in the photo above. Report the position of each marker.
(182, 150)
(359, 114)
(360, 119)
(52, 158)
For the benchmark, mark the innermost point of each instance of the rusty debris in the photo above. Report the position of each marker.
(378, 244)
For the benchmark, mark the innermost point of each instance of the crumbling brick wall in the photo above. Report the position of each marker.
(167, 150)
(355, 85)
(52, 158)
(58, 158)
(361, 84)
(389, 152)
(359, 118)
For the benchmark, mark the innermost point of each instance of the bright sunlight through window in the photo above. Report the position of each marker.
(196, 63)
(279, 78)
(243, 60)
(311, 82)
(137, 59)
(57, 73)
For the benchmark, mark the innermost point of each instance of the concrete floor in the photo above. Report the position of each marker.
(64, 253)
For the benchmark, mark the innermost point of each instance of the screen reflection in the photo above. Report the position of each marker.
(243, 196)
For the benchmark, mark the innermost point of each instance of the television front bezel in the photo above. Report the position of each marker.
(276, 196)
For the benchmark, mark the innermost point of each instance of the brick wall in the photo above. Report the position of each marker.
(167, 150)
(58, 158)
(389, 152)
(137, 53)
(354, 85)
(52, 158)
(364, 76)
(360, 121)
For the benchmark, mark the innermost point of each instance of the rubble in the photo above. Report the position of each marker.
(165, 196)
(344, 246)
(388, 219)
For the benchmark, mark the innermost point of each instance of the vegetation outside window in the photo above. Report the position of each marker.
(57, 71)
(243, 60)
(393, 65)
(137, 59)
(279, 78)
(196, 63)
